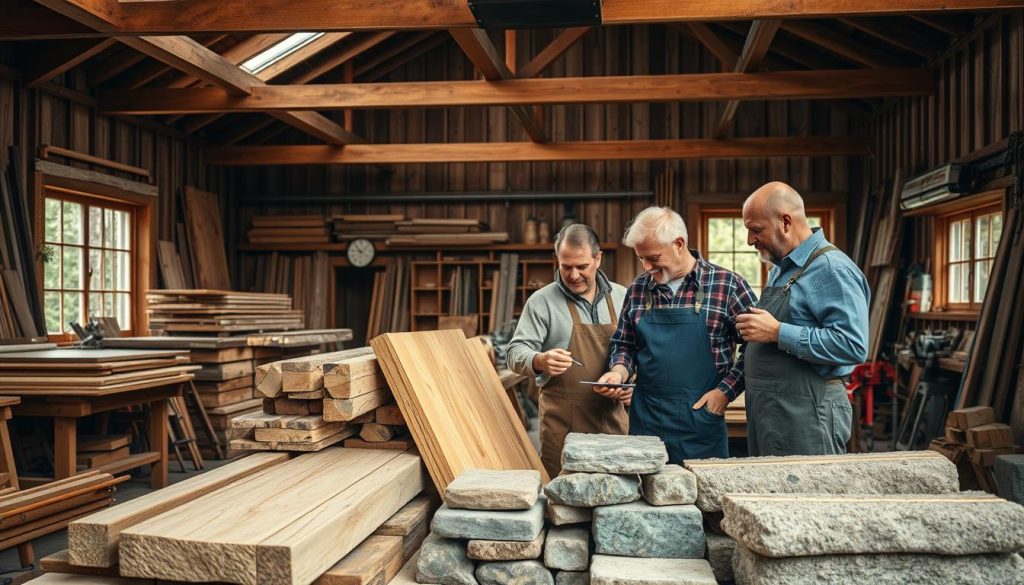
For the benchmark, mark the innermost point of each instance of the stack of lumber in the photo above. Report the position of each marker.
(396, 230)
(351, 226)
(220, 311)
(29, 514)
(441, 226)
(972, 442)
(504, 283)
(289, 229)
(98, 450)
(225, 389)
(95, 372)
(432, 240)
(302, 276)
(389, 305)
(21, 313)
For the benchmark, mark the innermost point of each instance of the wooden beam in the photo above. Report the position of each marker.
(100, 15)
(349, 53)
(193, 58)
(311, 49)
(534, 152)
(713, 43)
(478, 47)
(38, 23)
(844, 46)
(237, 54)
(555, 49)
(398, 48)
(751, 58)
(834, 84)
(907, 35)
(116, 64)
(431, 40)
(43, 64)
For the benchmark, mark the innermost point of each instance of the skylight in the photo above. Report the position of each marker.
(280, 51)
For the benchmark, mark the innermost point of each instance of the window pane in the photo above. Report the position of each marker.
(108, 305)
(959, 292)
(72, 222)
(95, 226)
(95, 270)
(122, 271)
(95, 304)
(723, 259)
(72, 309)
(997, 228)
(719, 234)
(72, 268)
(108, 228)
(981, 270)
(108, 270)
(982, 229)
(122, 223)
(748, 265)
(51, 269)
(51, 310)
(739, 234)
(123, 314)
(959, 240)
(53, 220)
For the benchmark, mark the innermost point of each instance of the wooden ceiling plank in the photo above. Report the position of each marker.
(759, 39)
(555, 49)
(382, 56)
(713, 43)
(915, 39)
(780, 85)
(35, 22)
(43, 65)
(844, 46)
(107, 69)
(358, 48)
(100, 15)
(481, 52)
(534, 152)
(189, 56)
(431, 41)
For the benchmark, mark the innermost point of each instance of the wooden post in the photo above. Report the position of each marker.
(158, 442)
(65, 446)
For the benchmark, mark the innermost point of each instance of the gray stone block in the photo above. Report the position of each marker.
(639, 529)
(514, 573)
(559, 515)
(670, 486)
(720, 551)
(951, 524)
(444, 561)
(588, 490)
(523, 525)
(572, 578)
(609, 570)
(567, 549)
(917, 472)
(485, 489)
(1009, 472)
(505, 550)
(878, 569)
(596, 453)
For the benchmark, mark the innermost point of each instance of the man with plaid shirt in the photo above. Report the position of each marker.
(677, 334)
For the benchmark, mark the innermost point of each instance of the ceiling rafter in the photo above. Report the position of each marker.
(751, 59)
(44, 63)
(845, 46)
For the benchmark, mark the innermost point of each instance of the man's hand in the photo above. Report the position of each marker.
(758, 325)
(553, 363)
(616, 376)
(715, 400)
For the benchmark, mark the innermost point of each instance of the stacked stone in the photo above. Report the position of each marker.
(638, 512)
(490, 531)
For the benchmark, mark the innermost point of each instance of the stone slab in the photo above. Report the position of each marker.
(588, 490)
(572, 578)
(953, 524)
(639, 529)
(1009, 473)
(444, 561)
(720, 551)
(916, 472)
(485, 489)
(567, 549)
(514, 573)
(878, 569)
(671, 486)
(560, 515)
(506, 550)
(609, 570)
(626, 454)
(522, 525)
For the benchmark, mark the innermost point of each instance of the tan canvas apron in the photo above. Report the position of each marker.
(566, 406)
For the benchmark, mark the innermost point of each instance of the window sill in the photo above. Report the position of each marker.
(946, 316)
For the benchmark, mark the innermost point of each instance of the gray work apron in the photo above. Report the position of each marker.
(791, 408)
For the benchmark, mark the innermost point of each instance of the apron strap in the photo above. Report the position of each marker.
(814, 256)
(573, 311)
(612, 317)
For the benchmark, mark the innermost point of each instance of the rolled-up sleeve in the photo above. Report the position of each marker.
(528, 340)
(841, 306)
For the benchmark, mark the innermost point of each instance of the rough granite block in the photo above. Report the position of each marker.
(952, 524)
(1009, 472)
(720, 551)
(444, 561)
(572, 578)
(484, 489)
(671, 486)
(878, 569)
(915, 472)
(639, 529)
(522, 525)
(505, 550)
(608, 570)
(625, 454)
(588, 490)
(514, 573)
(559, 515)
(567, 549)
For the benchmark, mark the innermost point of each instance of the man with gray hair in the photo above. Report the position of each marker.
(562, 338)
(677, 334)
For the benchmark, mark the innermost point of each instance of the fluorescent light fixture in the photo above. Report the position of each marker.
(280, 51)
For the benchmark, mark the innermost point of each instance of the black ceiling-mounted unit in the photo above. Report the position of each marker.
(506, 14)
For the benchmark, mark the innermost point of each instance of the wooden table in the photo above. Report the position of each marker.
(66, 409)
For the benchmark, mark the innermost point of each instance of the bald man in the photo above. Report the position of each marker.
(809, 330)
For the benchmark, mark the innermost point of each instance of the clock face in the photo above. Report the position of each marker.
(360, 252)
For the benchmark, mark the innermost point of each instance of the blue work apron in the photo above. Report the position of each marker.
(675, 368)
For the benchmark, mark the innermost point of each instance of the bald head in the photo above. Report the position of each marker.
(776, 198)
(775, 220)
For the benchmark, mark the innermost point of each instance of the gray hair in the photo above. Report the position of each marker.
(578, 235)
(661, 223)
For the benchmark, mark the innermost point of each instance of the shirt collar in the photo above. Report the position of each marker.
(801, 253)
(698, 269)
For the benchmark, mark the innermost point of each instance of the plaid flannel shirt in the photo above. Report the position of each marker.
(726, 295)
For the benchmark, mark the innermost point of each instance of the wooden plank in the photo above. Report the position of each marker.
(234, 354)
(272, 435)
(85, 356)
(767, 147)
(378, 433)
(389, 414)
(397, 444)
(93, 541)
(405, 521)
(68, 172)
(102, 443)
(60, 562)
(288, 524)
(353, 376)
(170, 265)
(270, 377)
(206, 235)
(225, 371)
(376, 560)
(555, 49)
(307, 374)
(420, 368)
(346, 409)
(864, 54)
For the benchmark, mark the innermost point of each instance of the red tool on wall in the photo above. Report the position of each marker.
(865, 380)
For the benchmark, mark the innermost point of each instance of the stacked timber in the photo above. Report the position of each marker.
(220, 312)
(289, 229)
(99, 450)
(96, 372)
(351, 226)
(398, 231)
(973, 441)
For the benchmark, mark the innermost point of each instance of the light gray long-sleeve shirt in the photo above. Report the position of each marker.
(546, 323)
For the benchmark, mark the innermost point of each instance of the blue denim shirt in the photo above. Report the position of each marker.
(829, 308)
